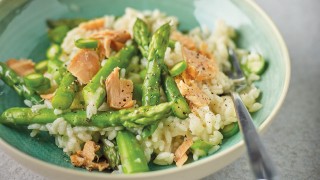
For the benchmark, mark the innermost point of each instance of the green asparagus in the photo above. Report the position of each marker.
(178, 68)
(131, 153)
(54, 51)
(37, 82)
(143, 73)
(65, 93)
(255, 64)
(78, 102)
(172, 44)
(180, 107)
(230, 129)
(137, 92)
(45, 87)
(138, 117)
(111, 153)
(201, 148)
(41, 67)
(151, 89)
(16, 82)
(94, 92)
(151, 85)
(159, 43)
(71, 23)
(34, 80)
(55, 67)
(141, 35)
(157, 48)
(86, 43)
(57, 34)
(149, 130)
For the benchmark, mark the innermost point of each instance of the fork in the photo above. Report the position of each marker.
(261, 164)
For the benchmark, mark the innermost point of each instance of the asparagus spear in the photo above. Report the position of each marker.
(17, 83)
(150, 88)
(143, 73)
(141, 35)
(150, 91)
(178, 68)
(159, 43)
(71, 23)
(65, 93)
(149, 130)
(86, 43)
(230, 130)
(45, 87)
(138, 117)
(111, 153)
(172, 44)
(151, 84)
(201, 148)
(137, 92)
(37, 82)
(55, 67)
(34, 80)
(57, 34)
(132, 155)
(94, 92)
(180, 107)
(54, 51)
(42, 66)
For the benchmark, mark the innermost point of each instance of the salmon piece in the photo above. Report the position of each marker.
(89, 150)
(84, 65)
(193, 94)
(204, 50)
(117, 46)
(181, 153)
(115, 35)
(101, 50)
(47, 96)
(199, 66)
(182, 160)
(185, 77)
(118, 35)
(119, 91)
(111, 40)
(183, 39)
(76, 160)
(99, 166)
(86, 157)
(95, 24)
(22, 67)
(182, 149)
(105, 48)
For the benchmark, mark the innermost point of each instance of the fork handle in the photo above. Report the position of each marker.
(260, 161)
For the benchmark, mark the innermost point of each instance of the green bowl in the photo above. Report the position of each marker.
(23, 34)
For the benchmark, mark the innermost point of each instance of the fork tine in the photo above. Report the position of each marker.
(235, 64)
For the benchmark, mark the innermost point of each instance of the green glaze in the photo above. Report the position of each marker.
(23, 21)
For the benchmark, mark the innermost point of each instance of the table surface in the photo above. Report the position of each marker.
(293, 138)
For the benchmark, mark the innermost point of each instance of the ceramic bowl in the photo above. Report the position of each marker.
(23, 34)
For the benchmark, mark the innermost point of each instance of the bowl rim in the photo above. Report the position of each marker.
(236, 147)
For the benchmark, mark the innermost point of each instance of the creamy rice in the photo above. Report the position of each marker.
(203, 123)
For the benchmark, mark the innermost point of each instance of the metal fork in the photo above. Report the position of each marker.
(261, 164)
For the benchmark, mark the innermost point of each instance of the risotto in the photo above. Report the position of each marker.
(120, 92)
